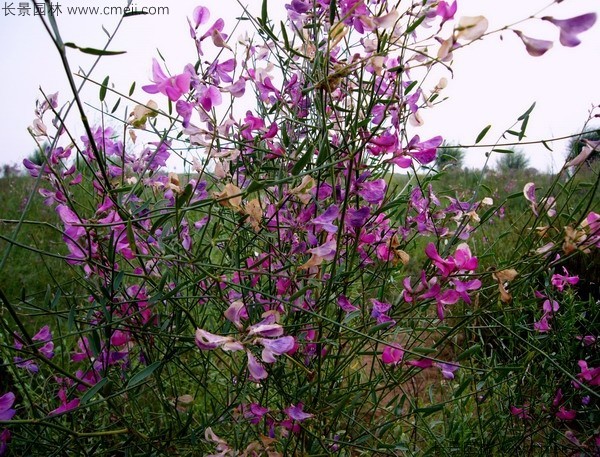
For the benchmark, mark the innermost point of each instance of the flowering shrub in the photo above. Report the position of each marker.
(281, 296)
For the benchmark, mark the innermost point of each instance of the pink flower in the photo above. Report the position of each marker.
(392, 354)
(173, 87)
(570, 28)
(208, 341)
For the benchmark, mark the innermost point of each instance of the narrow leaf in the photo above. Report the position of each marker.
(142, 375)
(93, 391)
(103, 88)
(94, 51)
(483, 133)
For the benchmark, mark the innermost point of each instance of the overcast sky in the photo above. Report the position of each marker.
(494, 80)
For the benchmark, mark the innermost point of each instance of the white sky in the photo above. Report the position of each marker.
(494, 81)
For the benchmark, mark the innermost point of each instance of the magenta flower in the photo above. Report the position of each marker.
(392, 354)
(445, 11)
(521, 413)
(345, 304)
(590, 375)
(66, 405)
(534, 46)
(566, 414)
(542, 326)
(560, 281)
(6, 410)
(570, 28)
(173, 87)
(423, 363)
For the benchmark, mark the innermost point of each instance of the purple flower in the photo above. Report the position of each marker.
(6, 402)
(297, 413)
(357, 217)
(173, 87)
(373, 191)
(200, 15)
(4, 439)
(379, 311)
(534, 46)
(325, 220)
(570, 28)
(257, 371)
(275, 347)
(447, 369)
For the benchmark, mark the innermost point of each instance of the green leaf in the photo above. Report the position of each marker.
(469, 352)
(526, 114)
(503, 151)
(332, 10)
(429, 410)
(93, 391)
(94, 51)
(303, 161)
(414, 25)
(410, 87)
(142, 375)
(482, 134)
(264, 14)
(103, 88)
(116, 106)
(132, 88)
(284, 34)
